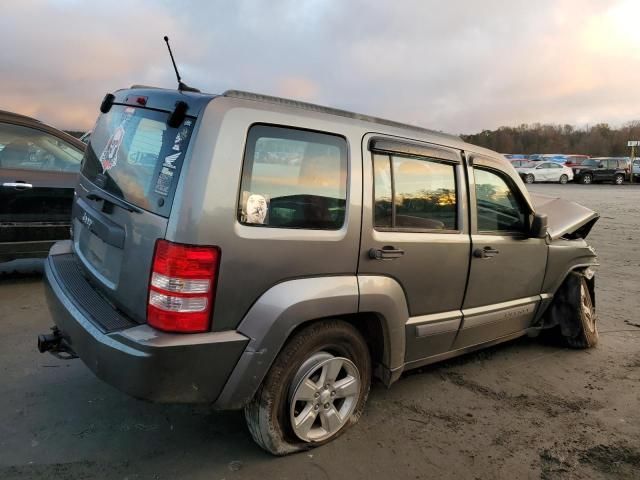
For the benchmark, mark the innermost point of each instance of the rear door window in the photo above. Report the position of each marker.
(293, 179)
(414, 194)
(134, 155)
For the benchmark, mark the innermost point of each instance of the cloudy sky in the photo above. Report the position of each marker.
(458, 65)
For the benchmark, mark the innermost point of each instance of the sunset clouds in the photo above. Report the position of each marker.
(458, 66)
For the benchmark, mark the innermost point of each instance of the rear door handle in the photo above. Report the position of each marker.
(18, 185)
(486, 252)
(385, 253)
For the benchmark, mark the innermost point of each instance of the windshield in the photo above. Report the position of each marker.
(134, 155)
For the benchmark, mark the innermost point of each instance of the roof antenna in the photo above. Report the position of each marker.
(183, 87)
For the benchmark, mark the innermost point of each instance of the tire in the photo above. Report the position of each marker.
(311, 353)
(564, 179)
(587, 335)
(529, 178)
(586, 179)
(572, 314)
(618, 179)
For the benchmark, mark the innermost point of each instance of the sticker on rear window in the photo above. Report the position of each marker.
(109, 156)
(170, 160)
(163, 185)
(182, 135)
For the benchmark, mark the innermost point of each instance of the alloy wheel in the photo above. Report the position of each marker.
(327, 390)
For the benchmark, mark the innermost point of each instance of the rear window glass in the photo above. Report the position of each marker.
(293, 179)
(134, 155)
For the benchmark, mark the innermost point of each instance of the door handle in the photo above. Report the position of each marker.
(486, 252)
(385, 253)
(17, 185)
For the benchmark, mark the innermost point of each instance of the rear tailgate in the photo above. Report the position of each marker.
(128, 179)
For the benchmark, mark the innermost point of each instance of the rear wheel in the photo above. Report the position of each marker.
(564, 179)
(619, 179)
(587, 179)
(529, 178)
(316, 389)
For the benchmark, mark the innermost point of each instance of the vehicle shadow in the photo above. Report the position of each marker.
(21, 269)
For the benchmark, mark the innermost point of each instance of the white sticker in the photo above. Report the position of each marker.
(256, 208)
(169, 161)
(164, 182)
(109, 156)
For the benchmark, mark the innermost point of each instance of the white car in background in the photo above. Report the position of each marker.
(545, 172)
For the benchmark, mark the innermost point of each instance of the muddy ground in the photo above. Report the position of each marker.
(525, 409)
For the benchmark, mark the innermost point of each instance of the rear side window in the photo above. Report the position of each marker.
(414, 193)
(293, 179)
(498, 207)
(134, 155)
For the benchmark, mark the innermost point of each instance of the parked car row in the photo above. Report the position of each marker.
(577, 168)
(518, 160)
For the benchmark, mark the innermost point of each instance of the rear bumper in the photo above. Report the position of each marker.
(139, 360)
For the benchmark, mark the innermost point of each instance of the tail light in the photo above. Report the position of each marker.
(182, 287)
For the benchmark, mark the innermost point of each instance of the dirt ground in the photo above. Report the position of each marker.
(526, 409)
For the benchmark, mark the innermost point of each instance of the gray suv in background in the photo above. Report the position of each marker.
(254, 252)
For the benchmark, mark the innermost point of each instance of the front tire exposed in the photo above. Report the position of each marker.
(619, 180)
(564, 178)
(529, 178)
(315, 390)
(573, 310)
(586, 179)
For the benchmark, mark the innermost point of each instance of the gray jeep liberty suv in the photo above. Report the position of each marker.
(254, 252)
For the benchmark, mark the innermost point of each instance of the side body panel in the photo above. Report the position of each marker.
(255, 258)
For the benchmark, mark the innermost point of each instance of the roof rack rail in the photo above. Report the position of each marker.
(329, 110)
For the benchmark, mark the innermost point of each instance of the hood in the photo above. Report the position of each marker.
(525, 169)
(565, 218)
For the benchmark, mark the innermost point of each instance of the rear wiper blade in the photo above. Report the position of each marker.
(96, 195)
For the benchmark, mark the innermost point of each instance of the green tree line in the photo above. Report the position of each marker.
(597, 140)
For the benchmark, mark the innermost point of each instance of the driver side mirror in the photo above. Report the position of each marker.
(539, 226)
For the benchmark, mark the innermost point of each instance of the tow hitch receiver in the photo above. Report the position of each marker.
(56, 345)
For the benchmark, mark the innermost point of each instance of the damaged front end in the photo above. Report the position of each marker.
(567, 220)
(570, 264)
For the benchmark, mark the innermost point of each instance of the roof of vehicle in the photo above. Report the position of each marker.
(329, 110)
(26, 121)
(165, 99)
(6, 115)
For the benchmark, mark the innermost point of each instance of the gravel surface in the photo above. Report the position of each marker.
(525, 409)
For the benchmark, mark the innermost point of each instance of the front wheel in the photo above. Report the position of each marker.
(586, 335)
(529, 178)
(564, 179)
(619, 180)
(316, 389)
(586, 179)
